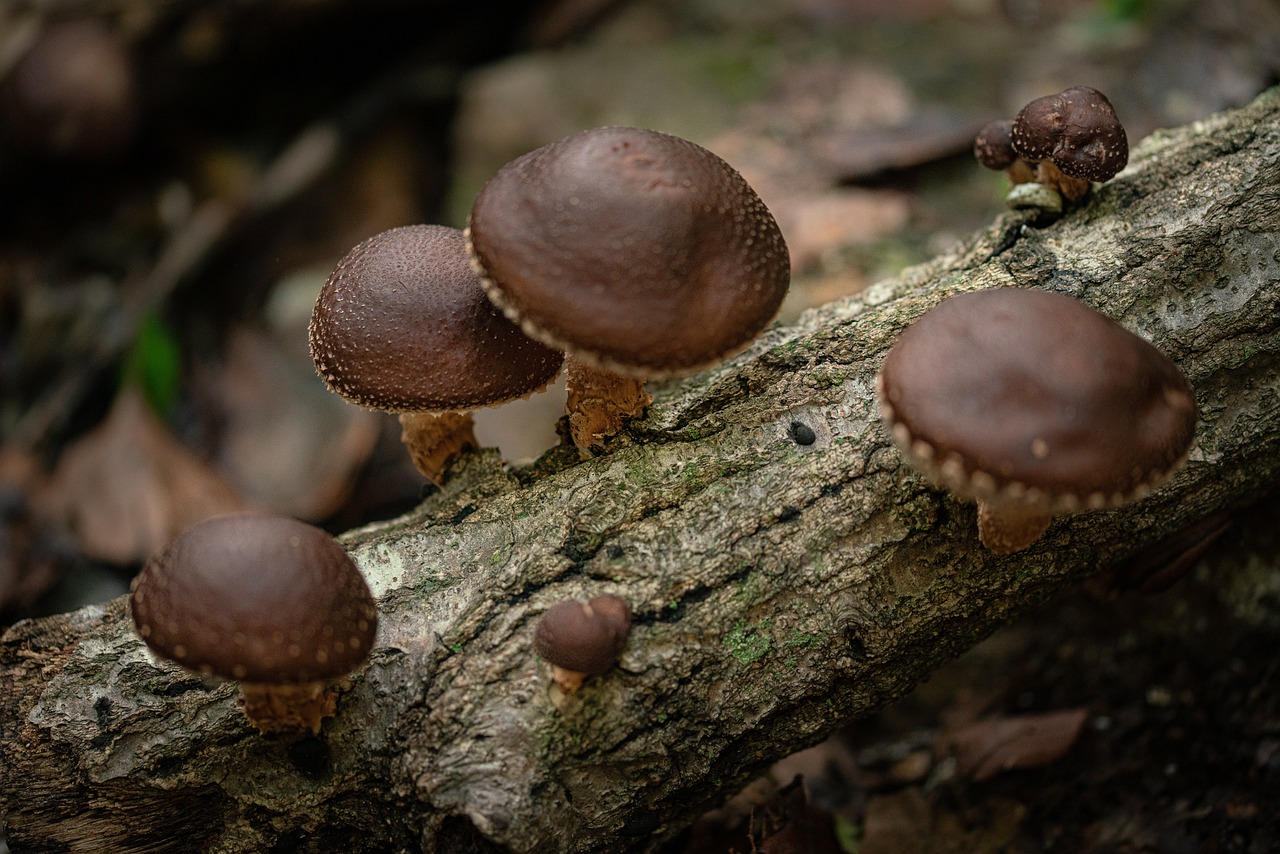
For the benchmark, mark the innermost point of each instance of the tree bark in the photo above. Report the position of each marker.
(780, 589)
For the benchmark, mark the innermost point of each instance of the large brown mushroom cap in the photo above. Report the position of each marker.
(636, 250)
(583, 637)
(1032, 395)
(403, 325)
(1077, 129)
(256, 598)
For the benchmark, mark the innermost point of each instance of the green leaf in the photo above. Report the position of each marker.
(154, 363)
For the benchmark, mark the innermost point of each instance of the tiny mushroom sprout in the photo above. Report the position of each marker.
(640, 254)
(1073, 137)
(1034, 405)
(582, 639)
(403, 325)
(993, 149)
(268, 601)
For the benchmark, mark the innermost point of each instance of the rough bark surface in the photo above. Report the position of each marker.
(779, 589)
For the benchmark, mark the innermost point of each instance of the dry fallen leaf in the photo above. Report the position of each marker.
(897, 822)
(128, 486)
(286, 442)
(990, 747)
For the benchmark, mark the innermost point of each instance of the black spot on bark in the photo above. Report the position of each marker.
(801, 433)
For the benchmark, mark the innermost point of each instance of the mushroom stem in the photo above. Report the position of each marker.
(287, 708)
(1020, 172)
(1072, 189)
(1004, 529)
(435, 439)
(599, 402)
(568, 680)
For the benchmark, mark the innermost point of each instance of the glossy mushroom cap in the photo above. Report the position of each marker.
(993, 146)
(1077, 129)
(1028, 396)
(256, 598)
(403, 325)
(638, 251)
(584, 638)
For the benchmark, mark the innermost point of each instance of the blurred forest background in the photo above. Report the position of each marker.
(179, 178)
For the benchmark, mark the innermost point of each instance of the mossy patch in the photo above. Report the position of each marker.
(748, 645)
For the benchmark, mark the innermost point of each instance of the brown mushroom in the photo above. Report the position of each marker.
(993, 149)
(1074, 137)
(1034, 405)
(270, 602)
(582, 639)
(639, 254)
(403, 325)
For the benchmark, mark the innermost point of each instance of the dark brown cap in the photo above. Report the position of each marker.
(993, 147)
(256, 598)
(1031, 396)
(403, 325)
(1077, 129)
(638, 251)
(584, 638)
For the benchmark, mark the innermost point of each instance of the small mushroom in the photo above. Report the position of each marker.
(1073, 137)
(993, 149)
(639, 254)
(402, 325)
(270, 602)
(581, 640)
(1034, 405)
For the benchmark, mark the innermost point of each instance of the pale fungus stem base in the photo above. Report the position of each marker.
(599, 403)
(435, 439)
(1005, 530)
(568, 681)
(1020, 172)
(1072, 189)
(287, 708)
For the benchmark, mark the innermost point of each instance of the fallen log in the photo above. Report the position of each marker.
(787, 571)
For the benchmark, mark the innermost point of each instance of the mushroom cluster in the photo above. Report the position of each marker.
(636, 253)
(1064, 141)
(639, 254)
(403, 325)
(270, 602)
(1034, 405)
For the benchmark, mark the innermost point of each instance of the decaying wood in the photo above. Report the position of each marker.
(779, 588)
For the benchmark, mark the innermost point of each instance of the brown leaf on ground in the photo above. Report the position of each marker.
(803, 828)
(285, 442)
(910, 821)
(128, 486)
(990, 747)
(925, 137)
(1159, 566)
(897, 822)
